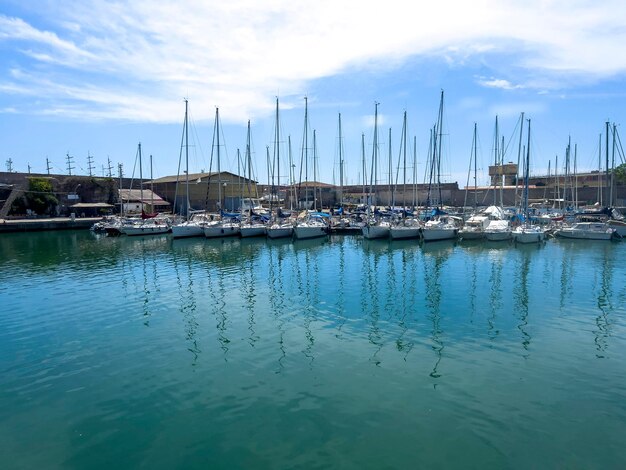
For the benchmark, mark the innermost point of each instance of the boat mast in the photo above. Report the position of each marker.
(612, 183)
(186, 160)
(364, 172)
(315, 174)
(340, 165)
(526, 176)
(140, 178)
(439, 142)
(607, 169)
(374, 155)
(519, 153)
(151, 188)
(219, 169)
(277, 154)
(391, 199)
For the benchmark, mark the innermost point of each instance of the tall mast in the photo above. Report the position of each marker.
(374, 156)
(186, 160)
(519, 153)
(600, 169)
(140, 178)
(151, 188)
(404, 164)
(607, 169)
(219, 168)
(414, 172)
(340, 165)
(292, 176)
(526, 176)
(575, 177)
(440, 139)
(315, 173)
(612, 182)
(364, 169)
(391, 199)
(277, 153)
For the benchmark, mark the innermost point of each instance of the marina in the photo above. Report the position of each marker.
(329, 352)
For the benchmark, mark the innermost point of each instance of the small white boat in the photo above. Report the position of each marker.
(474, 227)
(194, 227)
(252, 230)
(376, 230)
(441, 228)
(587, 231)
(498, 230)
(146, 227)
(528, 234)
(310, 229)
(282, 230)
(221, 228)
(409, 228)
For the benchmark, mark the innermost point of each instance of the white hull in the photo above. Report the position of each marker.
(434, 234)
(221, 230)
(404, 233)
(372, 232)
(279, 232)
(498, 236)
(528, 236)
(133, 231)
(583, 234)
(187, 230)
(619, 226)
(247, 231)
(303, 232)
(471, 234)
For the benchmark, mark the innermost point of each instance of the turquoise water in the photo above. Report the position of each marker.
(161, 353)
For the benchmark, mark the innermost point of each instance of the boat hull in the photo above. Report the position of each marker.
(498, 236)
(528, 236)
(279, 232)
(583, 234)
(248, 231)
(304, 232)
(472, 234)
(404, 233)
(434, 234)
(219, 230)
(187, 231)
(372, 232)
(145, 230)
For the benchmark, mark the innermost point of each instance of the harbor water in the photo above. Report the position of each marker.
(340, 353)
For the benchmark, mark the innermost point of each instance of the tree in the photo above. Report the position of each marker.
(620, 173)
(39, 197)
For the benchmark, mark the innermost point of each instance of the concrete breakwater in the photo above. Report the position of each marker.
(37, 225)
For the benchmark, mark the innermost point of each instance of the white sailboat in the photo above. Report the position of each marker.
(278, 226)
(407, 227)
(309, 224)
(440, 225)
(251, 224)
(374, 227)
(527, 232)
(222, 227)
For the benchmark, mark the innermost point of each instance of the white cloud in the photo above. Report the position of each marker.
(137, 59)
(498, 83)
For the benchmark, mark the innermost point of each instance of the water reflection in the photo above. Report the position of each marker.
(436, 255)
(521, 291)
(605, 307)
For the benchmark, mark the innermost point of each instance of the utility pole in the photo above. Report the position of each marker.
(47, 165)
(28, 164)
(70, 161)
(10, 165)
(90, 166)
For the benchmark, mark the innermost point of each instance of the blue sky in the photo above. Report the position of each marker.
(98, 77)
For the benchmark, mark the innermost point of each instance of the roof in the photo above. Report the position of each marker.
(92, 205)
(135, 195)
(311, 184)
(194, 178)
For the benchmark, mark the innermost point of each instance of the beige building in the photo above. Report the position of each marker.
(207, 191)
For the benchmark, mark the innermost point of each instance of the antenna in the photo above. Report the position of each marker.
(47, 165)
(109, 167)
(9, 165)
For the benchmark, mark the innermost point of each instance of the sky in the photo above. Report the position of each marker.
(94, 78)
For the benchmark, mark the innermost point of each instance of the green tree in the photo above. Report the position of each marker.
(39, 197)
(620, 173)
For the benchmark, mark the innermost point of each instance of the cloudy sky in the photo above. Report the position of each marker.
(97, 77)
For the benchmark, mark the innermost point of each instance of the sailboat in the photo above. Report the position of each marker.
(527, 232)
(223, 226)
(150, 224)
(309, 224)
(252, 225)
(278, 226)
(499, 229)
(406, 227)
(440, 226)
(193, 225)
(374, 227)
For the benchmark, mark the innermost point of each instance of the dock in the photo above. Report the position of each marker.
(54, 223)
